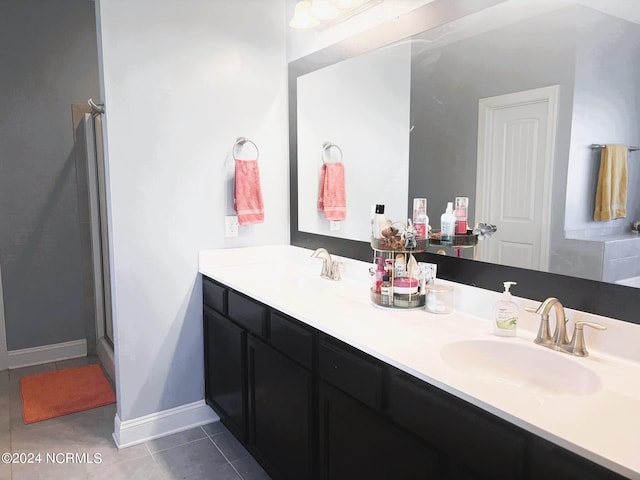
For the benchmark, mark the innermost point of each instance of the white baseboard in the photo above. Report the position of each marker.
(26, 357)
(131, 432)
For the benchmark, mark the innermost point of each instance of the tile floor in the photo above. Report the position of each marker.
(203, 453)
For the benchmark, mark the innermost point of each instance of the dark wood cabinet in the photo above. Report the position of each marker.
(357, 442)
(246, 312)
(308, 406)
(478, 444)
(351, 371)
(225, 371)
(280, 412)
(551, 461)
(258, 379)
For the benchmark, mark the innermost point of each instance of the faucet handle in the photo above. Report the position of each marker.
(578, 346)
(336, 272)
(595, 325)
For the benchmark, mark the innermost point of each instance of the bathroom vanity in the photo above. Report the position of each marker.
(317, 382)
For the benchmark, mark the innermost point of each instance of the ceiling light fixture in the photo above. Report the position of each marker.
(324, 13)
(324, 9)
(302, 16)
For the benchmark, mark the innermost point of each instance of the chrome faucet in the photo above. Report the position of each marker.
(544, 334)
(560, 341)
(330, 268)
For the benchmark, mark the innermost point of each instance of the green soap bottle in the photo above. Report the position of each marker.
(505, 314)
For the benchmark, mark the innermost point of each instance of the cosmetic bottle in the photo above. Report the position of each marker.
(400, 266)
(460, 212)
(373, 221)
(380, 273)
(379, 220)
(420, 218)
(447, 224)
(505, 314)
(386, 291)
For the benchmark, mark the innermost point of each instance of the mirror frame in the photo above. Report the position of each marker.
(600, 298)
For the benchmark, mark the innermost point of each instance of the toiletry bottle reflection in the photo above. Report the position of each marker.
(447, 224)
(379, 221)
(460, 212)
(420, 218)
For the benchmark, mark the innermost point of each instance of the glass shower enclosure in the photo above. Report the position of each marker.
(92, 211)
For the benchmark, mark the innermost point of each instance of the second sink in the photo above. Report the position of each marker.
(520, 366)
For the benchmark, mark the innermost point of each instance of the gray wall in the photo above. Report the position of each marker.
(49, 62)
(606, 108)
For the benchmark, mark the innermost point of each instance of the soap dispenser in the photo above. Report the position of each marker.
(505, 314)
(447, 224)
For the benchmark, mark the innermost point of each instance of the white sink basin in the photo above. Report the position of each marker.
(532, 368)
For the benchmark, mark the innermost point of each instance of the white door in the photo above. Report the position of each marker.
(516, 145)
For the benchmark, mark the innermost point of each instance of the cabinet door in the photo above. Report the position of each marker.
(356, 442)
(280, 399)
(551, 461)
(478, 445)
(225, 370)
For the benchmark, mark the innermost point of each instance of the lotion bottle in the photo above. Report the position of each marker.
(505, 314)
(447, 224)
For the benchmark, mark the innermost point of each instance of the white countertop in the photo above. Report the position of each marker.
(603, 426)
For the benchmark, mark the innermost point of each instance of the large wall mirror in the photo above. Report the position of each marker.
(413, 117)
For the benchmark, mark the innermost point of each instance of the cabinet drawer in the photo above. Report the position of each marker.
(214, 295)
(473, 440)
(351, 372)
(247, 312)
(292, 339)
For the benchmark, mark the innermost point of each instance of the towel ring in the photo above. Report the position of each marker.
(241, 141)
(326, 146)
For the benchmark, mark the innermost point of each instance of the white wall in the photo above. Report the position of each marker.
(362, 105)
(182, 80)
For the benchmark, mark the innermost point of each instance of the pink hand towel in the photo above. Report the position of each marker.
(332, 197)
(248, 194)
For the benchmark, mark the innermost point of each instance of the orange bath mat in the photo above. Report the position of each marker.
(53, 394)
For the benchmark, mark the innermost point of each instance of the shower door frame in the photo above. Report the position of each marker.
(4, 353)
(96, 186)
